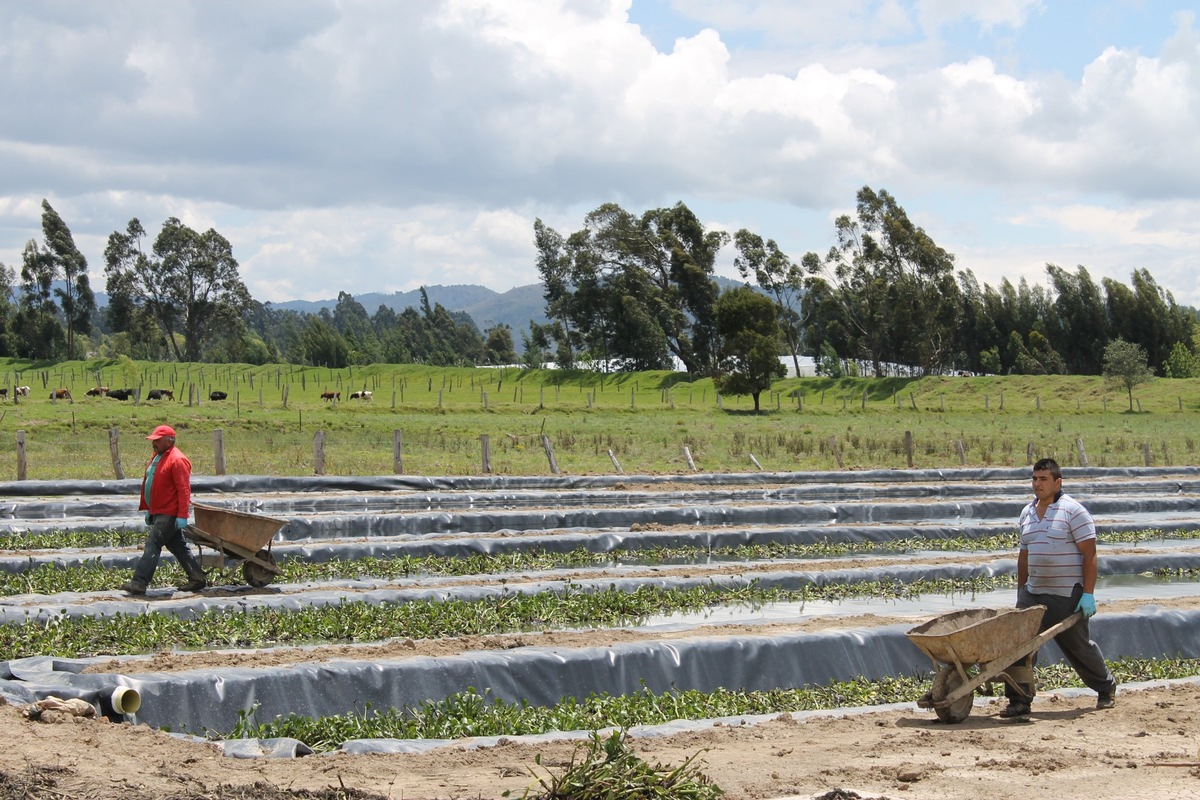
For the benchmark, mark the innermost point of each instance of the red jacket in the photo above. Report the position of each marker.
(171, 489)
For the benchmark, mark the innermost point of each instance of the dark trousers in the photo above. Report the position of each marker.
(164, 534)
(1081, 652)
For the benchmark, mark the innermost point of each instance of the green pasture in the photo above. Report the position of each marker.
(274, 414)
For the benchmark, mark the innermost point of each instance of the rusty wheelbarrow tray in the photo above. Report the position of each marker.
(987, 638)
(239, 535)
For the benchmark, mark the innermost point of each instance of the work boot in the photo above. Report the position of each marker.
(1106, 700)
(193, 584)
(1015, 708)
(134, 587)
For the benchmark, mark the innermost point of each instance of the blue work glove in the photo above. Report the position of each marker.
(1087, 605)
(149, 519)
(181, 523)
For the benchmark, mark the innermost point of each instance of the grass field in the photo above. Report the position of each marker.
(273, 415)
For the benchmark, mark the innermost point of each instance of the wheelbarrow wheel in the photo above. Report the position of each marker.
(257, 575)
(944, 683)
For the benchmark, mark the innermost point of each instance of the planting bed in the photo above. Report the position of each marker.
(775, 581)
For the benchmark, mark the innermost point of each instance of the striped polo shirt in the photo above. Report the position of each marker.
(1055, 563)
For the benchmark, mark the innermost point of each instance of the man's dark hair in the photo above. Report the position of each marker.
(1049, 465)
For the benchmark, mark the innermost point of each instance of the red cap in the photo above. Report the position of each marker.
(161, 431)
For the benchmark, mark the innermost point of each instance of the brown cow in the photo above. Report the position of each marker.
(22, 391)
(60, 394)
(331, 396)
(97, 391)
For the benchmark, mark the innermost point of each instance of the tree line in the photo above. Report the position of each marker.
(180, 297)
(636, 292)
(626, 291)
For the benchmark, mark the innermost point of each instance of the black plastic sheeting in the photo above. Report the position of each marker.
(708, 515)
(102, 506)
(386, 483)
(213, 699)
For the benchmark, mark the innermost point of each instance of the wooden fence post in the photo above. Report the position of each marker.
(549, 454)
(616, 464)
(908, 447)
(754, 461)
(864, 400)
(219, 451)
(837, 451)
(114, 439)
(485, 446)
(397, 453)
(22, 464)
(319, 453)
(1146, 453)
(1082, 453)
(1029, 454)
(687, 454)
(962, 452)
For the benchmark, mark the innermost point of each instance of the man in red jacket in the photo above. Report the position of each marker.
(166, 498)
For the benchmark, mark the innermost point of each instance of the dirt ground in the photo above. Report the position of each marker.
(1146, 747)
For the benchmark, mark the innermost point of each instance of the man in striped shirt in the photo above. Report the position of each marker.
(1056, 568)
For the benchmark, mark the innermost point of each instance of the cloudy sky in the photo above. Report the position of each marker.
(380, 145)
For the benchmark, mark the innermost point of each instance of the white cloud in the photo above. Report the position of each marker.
(363, 146)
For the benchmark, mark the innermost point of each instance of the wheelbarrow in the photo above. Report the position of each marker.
(239, 536)
(977, 646)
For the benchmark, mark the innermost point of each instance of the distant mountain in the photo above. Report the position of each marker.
(488, 308)
(515, 308)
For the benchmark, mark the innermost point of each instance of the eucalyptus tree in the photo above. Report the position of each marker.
(1163, 323)
(624, 285)
(779, 277)
(978, 340)
(68, 266)
(351, 320)
(8, 280)
(36, 326)
(1079, 325)
(894, 285)
(189, 282)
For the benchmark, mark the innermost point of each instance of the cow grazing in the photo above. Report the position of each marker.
(161, 394)
(4, 392)
(331, 396)
(97, 391)
(22, 391)
(120, 394)
(60, 394)
(217, 395)
(363, 395)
